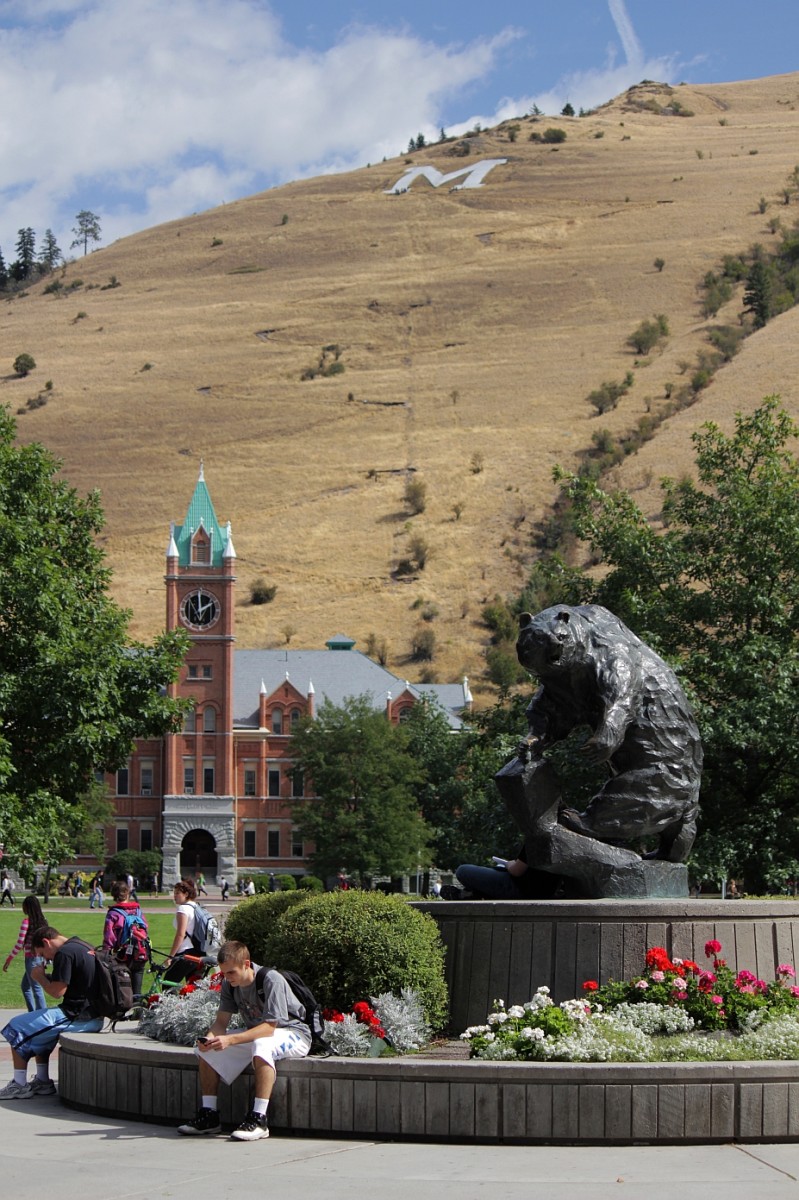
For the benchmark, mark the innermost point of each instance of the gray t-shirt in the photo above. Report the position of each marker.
(279, 1005)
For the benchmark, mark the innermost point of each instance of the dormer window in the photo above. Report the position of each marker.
(201, 549)
(277, 720)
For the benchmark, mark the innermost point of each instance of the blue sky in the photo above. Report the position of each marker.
(148, 110)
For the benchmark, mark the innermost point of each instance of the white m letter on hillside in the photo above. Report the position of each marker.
(474, 176)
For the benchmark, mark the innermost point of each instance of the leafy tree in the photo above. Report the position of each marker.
(363, 816)
(86, 230)
(718, 593)
(23, 365)
(50, 254)
(74, 691)
(26, 252)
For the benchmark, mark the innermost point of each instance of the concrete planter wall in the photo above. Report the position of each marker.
(123, 1075)
(506, 949)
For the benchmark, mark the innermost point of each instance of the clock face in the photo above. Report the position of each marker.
(200, 610)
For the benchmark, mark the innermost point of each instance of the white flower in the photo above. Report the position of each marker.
(516, 1011)
(490, 1037)
(533, 1034)
(542, 991)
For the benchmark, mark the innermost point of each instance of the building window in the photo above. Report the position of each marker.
(201, 549)
(122, 781)
(146, 839)
(249, 843)
(146, 778)
(273, 776)
(296, 843)
(249, 781)
(207, 672)
(190, 722)
(99, 777)
(192, 671)
(277, 720)
(209, 720)
(188, 779)
(208, 780)
(297, 782)
(295, 716)
(273, 843)
(404, 714)
(122, 837)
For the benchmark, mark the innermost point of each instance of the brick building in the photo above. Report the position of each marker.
(216, 797)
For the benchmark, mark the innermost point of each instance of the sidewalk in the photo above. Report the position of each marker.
(72, 1155)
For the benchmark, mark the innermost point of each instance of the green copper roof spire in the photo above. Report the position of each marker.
(200, 513)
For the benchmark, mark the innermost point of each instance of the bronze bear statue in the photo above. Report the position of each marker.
(595, 671)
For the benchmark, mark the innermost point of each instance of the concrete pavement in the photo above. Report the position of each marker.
(46, 1148)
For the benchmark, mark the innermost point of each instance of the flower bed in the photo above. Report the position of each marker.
(674, 1011)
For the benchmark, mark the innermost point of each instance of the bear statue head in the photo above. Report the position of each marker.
(549, 642)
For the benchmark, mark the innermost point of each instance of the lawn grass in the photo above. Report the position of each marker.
(80, 922)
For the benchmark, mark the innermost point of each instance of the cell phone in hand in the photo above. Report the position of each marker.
(500, 863)
(203, 1041)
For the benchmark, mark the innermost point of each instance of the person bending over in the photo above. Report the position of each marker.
(274, 1028)
(35, 1034)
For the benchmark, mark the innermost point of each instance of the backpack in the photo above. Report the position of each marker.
(207, 936)
(313, 1011)
(113, 990)
(132, 943)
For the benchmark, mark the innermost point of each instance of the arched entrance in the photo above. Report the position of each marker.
(198, 853)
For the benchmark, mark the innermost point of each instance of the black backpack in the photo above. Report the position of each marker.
(113, 991)
(313, 1011)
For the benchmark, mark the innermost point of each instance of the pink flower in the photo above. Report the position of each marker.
(717, 999)
(642, 985)
(745, 977)
(681, 995)
(761, 986)
(657, 976)
(711, 948)
(786, 969)
(795, 991)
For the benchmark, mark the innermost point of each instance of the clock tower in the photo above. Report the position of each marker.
(199, 819)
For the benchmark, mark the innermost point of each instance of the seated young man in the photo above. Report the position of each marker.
(35, 1034)
(275, 1028)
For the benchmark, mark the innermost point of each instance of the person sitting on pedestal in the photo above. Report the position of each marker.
(508, 879)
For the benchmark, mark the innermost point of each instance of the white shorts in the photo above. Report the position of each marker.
(230, 1062)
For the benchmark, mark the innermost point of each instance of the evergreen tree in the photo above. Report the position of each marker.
(87, 229)
(26, 252)
(50, 255)
(758, 293)
(3, 273)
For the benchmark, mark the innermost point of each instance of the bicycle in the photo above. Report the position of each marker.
(201, 965)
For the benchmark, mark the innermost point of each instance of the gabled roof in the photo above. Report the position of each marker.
(200, 513)
(331, 675)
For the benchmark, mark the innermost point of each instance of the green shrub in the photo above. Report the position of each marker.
(552, 136)
(423, 644)
(286, 883)
(310, 883)
(415, 494)
(262, 592)
(351, 945)
(254, 922)
(24, 364)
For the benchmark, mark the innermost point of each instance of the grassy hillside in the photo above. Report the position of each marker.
(471, 324)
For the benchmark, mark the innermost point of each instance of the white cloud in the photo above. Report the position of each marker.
(143, 111)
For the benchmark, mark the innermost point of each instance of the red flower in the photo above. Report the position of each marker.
(590, 985)
(657, 959)
(691, 965)
(332, 1014)
(187, 990)
(712, 947)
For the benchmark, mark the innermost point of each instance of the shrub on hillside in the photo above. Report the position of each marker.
(24, 364)
(262, 592)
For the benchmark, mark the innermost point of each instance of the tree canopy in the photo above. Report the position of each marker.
(86, 229)
(717, 592)
(74, 690)
(363, 816)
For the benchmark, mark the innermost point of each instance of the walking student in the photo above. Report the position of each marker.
(275, 1028)
(125, 933)
(32, 920)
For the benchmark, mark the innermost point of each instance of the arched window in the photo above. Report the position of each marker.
(277, 720)
(201, 548)
(295, 716)
(209, 720)
(190, 722)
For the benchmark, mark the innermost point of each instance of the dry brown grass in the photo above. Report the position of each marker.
(469, 321)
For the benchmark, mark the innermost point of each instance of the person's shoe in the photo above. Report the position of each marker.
(206, 1121)
(16, 1091)
(252, 1128)
(42, 1087)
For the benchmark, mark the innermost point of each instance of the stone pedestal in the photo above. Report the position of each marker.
(505, 949)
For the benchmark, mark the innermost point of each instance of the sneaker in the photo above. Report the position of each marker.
(16, 1091)
(252, 1128)
(42, 1087)
(206, 1121)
